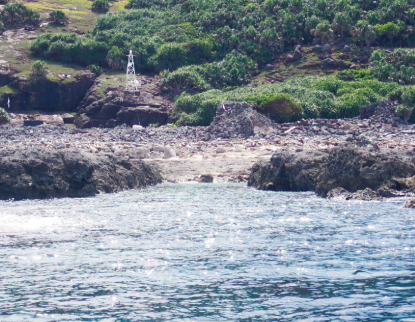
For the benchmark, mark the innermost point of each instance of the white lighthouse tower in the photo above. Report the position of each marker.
(131, 81)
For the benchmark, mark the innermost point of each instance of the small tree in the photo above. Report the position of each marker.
(39, 68)
(58, 17)
(342, 23)
(389, 29)
(364, 32)
(323, 31)
(114, 59)
(4, 116)
(100, 6)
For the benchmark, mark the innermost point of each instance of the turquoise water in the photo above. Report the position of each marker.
(201, 252)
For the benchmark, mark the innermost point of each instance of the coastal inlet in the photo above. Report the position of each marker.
(206, 252)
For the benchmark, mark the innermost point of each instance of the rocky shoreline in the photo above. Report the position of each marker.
(38, 174)
(228, 148)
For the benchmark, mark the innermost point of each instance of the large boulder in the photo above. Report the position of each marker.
(235, 120)
(33, 174)
(288, 171)
(383, 111)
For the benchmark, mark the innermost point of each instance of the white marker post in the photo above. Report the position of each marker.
(131, 81)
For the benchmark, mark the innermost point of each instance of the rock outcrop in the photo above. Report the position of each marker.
(352, 167)
(39, 174)
(238, 120)
(118, 107)
(42, 93)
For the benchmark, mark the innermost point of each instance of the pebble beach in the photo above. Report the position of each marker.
(185, 153)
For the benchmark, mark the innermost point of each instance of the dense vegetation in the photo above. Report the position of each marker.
(181, 32)
(234, 70)
(206, 47)
(15, 13)
(397, 66)
(325, 97)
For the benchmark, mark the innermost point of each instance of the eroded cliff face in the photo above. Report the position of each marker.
(43, 93)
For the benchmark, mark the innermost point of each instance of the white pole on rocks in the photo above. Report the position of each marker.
(131, 81)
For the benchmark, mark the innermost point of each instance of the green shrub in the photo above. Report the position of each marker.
(95, 69)
(234, 70)
(279, 107)
(398, 66)
(351, 103)
(100, 6)
(4, 116)
(353, 74)
(389, 30)
(39, 68)
(198, 51)
(185, 79)
(58, 17)
(115, 59)
(408, 95)
(141, 4)
(17, 12)
(170, 56)
(325, 97)
(405, 112)
(70, 48)
(88, 51)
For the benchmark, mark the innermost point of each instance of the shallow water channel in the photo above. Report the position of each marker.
(206, 252)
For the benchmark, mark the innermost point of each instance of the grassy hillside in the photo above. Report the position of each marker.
(213, 46)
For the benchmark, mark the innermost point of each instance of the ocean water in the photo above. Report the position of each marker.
(206, 252)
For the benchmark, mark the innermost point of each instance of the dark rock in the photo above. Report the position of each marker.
(143, 115)
(288, 171)
(297, 55)
(5, 77)
(330, 62)
(108, 111)
(316, 41)
(206, 178)
(382, 111)
(68, 118)
(389, 193)
(318, 48)
(94, 108)
(352, 166)
(346, 49)
(119, 107)
(239, 120)
(363, 59)
(45, 94)
(410, 203)
(33, 173)
(326, 48)
(366, 194)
